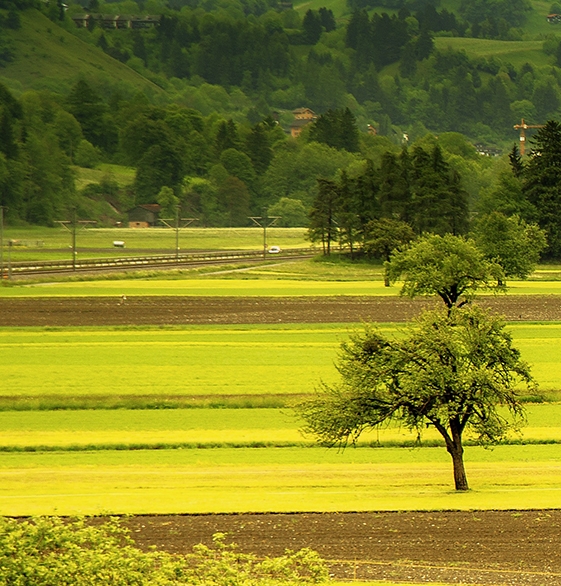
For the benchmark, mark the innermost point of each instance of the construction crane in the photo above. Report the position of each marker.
(522, 127)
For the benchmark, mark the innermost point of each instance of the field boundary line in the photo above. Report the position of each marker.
(439, 567)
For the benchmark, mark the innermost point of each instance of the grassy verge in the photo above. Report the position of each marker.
(271, 279)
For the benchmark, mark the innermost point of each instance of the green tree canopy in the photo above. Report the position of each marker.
(323, 227)
(337, 129)
(510, 242)
(449, 266)
(385, 235)
(452, 371)
(291, 211)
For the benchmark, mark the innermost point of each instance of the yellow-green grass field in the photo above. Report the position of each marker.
(199, 361)
(275, 479)
(515, 52)
(40, 243)
(201, 287)
(97, 429)
(192, 361)
(248, 286)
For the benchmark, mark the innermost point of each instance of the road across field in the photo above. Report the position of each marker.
(184, 310)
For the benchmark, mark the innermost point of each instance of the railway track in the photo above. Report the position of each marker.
(20, 269)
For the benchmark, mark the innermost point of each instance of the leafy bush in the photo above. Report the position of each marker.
(49, 550)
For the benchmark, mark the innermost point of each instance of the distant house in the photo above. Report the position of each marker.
(302, 117)
(487, 151)
(143, 22)
(144, 216)
(81, 20)
(116, 21)
(554, 18)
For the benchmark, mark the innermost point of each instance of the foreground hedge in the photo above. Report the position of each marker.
(48, 551)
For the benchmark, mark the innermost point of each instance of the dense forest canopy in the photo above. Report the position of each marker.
(393, 118)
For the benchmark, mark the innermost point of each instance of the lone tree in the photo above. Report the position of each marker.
(449, 266)
(454, 371)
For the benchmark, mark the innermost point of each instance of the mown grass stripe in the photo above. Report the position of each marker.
(408, 445)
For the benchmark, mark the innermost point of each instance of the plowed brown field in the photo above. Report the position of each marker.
(172, 310)
(478, 547)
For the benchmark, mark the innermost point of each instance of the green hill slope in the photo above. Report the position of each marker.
(49, 57)
(515, 52)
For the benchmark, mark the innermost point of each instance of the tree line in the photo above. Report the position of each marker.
(417, 191)
(274, 58)
(223, 171)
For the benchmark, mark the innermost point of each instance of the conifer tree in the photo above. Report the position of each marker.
(542, 183)
(327, 19)
(312, 27)
(323, 227)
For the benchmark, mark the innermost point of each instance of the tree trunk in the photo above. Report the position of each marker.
(460, 478)
(456, 450)
(387, 254)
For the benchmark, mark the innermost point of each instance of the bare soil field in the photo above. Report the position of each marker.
(172, 310)
(475, 547)
(515, 548)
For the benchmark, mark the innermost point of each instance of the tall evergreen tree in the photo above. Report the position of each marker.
(516, 163)
(312, 27)
(85, 104)
(439, 203)
(395, 189)
(337, 129)
(10, 112)
(348, 219)
(542, 183)
(258, 148)
(323, 226)
(227, 136)
(358, 28)
(327, 19)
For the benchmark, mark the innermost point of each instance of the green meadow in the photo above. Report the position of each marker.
(515, 52)
(201, 460)
(42, 243)
(275, 479)
(200, 361)
(245, 283)
(198, 428)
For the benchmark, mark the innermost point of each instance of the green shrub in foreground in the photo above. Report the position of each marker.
(48, 550)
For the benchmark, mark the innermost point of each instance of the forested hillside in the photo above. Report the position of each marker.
(199, 98)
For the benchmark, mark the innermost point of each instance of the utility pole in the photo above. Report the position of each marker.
(72, 227)
(177, 221)
(1, 242)
(10, 244)
(265, 221)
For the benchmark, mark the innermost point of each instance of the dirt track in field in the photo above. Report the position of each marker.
(489, 548)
